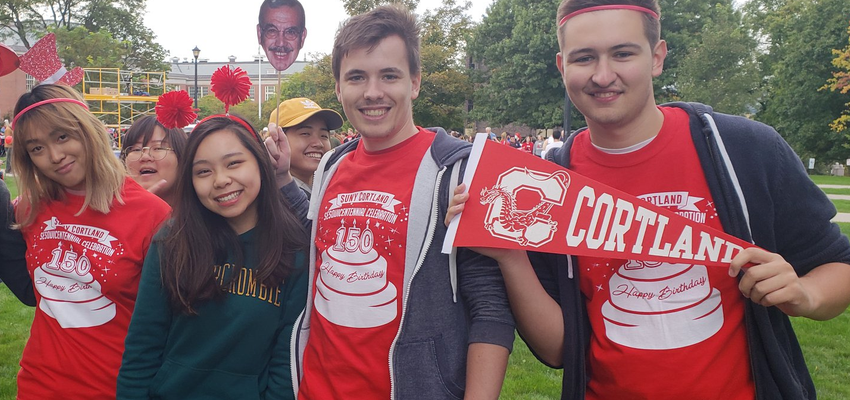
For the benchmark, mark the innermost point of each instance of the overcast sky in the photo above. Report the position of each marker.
(222, 28)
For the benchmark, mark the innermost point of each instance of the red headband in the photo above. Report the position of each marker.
(232, 118)
(48, 101)
(607, 7)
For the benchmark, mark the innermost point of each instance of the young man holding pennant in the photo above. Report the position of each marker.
(628, 329)
(388, 315)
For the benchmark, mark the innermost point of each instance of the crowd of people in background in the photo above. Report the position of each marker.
(229, 263)
(527, 144)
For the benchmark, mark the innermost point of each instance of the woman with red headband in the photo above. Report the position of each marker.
(224, 281)
(87, 227)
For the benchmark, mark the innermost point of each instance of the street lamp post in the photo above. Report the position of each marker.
(259, 91)
(195, 52)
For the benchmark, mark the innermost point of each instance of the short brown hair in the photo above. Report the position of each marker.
(369, 29)
(651, 25)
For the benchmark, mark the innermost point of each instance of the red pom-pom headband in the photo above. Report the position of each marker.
(43, 102)
(607, 7)
(232, 87)
(174, 109)
(241, 121)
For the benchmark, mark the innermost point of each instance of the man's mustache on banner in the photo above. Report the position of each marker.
(519, 201)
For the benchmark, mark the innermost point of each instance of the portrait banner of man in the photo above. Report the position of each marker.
(281, 31)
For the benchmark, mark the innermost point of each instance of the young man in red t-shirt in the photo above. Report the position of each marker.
(388, 315)
(676, 331)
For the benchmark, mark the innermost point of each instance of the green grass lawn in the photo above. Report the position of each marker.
(830, 180)
(15, 321)
(842, 206)
(836, 191)
(833, 180)
(824, 344)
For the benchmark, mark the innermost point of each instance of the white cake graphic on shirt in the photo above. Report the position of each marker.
(660, 306)
(73, 300)
(368, 269)
(352, 289)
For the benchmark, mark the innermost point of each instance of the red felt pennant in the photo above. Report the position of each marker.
(519, 201)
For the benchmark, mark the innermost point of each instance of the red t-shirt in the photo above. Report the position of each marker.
(660, 330)
(358, 287)
(528, 147)
(85, 271)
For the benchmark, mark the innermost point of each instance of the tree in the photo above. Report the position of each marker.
(682, 23)
(355, 7)
(445, 86)
(443, 91)
(209, 105)
(120, 18)
(840, 82)
(798, 35)
(79, 47)
(27, 16)
(514, 51)
(721, 69)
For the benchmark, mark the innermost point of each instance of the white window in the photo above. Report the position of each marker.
(202, 91)
(269, 92)
(31, 82)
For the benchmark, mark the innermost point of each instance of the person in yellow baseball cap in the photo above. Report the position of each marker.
(307, 127)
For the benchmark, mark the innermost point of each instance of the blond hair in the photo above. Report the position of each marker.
(104, 173)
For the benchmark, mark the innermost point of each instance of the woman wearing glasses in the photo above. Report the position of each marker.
(151, 153)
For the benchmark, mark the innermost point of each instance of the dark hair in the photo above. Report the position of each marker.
(143, 129)
(651, 25)
(556, 134)
(198, 238)
(369, 29)
(273, 4)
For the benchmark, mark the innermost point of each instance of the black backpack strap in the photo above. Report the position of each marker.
(561, 155)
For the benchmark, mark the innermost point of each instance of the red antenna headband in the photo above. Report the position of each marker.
(608, 7)
(231, 86)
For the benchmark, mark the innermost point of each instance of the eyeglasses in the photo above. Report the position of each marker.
(291, 33)
(156, 153)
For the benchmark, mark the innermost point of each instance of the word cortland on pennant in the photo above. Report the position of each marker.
(519, 201)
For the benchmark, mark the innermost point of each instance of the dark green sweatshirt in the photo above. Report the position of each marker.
(236, 347)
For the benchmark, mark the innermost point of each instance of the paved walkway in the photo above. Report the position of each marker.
(840, 217)
(834, 186)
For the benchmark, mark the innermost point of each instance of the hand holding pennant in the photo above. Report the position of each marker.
(518, 201)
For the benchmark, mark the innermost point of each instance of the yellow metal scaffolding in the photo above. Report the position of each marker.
(119, 97)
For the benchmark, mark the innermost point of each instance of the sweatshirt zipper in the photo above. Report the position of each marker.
(428, 239)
